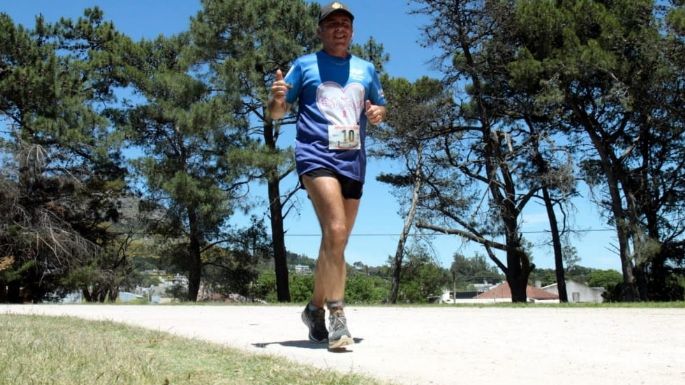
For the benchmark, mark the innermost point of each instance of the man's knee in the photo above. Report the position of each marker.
(336, 234)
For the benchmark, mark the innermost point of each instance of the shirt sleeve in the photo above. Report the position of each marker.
(294, 79)
(376, 95)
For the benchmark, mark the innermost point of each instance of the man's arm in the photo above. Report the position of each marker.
(277, 108)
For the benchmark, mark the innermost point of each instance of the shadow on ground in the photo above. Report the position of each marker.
(302, 344)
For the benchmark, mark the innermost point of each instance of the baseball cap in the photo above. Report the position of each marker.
(333, 7)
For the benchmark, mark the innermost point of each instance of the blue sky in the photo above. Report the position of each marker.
(375, 234)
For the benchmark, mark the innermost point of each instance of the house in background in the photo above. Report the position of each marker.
(502, 293)
(302, 269)
(449, 296)
(496, 294)
(578, 292)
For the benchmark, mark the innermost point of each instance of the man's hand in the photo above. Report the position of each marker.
(279, 88)
(375, 114)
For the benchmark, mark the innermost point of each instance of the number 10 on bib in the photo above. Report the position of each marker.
(343, 137)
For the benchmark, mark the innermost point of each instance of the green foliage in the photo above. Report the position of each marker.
(178, 292)
(603, 77)
(422, 278)
(301, 287)
(604, 278)
(300, 259)
(676, 20)
(544, 276)
(265, 286)
(569, 256)
(415, 111)
(468, 271)
(200, 154)
(244, 43)
(363, 288)
(62, 162)
(374, 52)
(607, 279)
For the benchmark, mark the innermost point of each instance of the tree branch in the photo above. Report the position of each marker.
(463, 234)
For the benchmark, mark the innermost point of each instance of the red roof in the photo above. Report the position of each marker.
(503, 291)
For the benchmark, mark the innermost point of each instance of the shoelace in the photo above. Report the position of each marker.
(338, 321)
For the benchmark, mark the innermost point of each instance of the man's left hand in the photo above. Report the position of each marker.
(375, 114)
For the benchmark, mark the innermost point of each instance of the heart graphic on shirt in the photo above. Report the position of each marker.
(341, 106)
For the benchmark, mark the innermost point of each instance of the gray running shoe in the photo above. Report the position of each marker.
(338, 336)
(316, 322)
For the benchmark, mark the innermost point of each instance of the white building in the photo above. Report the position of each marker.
(302, 269)
(578, 292)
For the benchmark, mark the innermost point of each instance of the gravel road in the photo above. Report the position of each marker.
(439, 345)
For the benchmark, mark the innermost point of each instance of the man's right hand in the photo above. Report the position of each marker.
(279, 88)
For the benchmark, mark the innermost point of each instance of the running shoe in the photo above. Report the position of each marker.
(338, 336)
(316, 322)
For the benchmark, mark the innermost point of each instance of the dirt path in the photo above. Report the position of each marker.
(440, 345)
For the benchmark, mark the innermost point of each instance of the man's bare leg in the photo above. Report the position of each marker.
(336, 217)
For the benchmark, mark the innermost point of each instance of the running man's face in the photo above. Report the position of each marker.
(335, 33)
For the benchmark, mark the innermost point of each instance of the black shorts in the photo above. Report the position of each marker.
(350, 188)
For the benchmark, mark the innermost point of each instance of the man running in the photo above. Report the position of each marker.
(337, 93)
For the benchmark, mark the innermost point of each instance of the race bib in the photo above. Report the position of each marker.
(344, 137)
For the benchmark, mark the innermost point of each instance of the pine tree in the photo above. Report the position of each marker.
(197, 157)
(244, 42)
(66, 171)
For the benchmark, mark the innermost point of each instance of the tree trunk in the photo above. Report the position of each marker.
(86, 295)
(278, 240)
(3, 292)
(113, 294)
(543, 169)
(396, 271)
(655, 269)
(518, 285)
(102, 294)
(643, 200)
(409, 220)
(276, 214)
(14, 292)
(556, 243)
(629, 290)
(195, 255)
(610, 169)
(518, 264)
(518, 271)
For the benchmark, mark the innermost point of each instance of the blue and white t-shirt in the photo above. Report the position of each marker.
(331, 123)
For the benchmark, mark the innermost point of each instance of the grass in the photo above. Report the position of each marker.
(70, 351)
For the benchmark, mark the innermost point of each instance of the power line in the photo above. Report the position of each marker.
(443, 234)
(393, 234)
